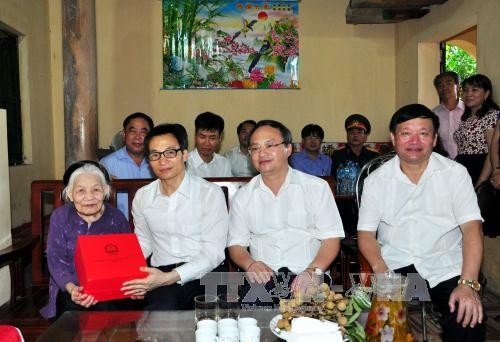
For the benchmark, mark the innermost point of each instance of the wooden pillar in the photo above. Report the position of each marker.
(80, 80)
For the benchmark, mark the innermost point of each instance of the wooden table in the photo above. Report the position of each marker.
(171, 326)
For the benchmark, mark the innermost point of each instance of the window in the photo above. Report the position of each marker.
(10, 97)
(458, 54)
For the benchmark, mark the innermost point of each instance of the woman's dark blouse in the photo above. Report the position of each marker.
(65, 227)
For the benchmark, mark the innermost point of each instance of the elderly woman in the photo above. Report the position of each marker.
(475, 132)
(85, 213)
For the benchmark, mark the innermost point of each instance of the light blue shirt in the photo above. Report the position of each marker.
(320, 166)
(120, 165)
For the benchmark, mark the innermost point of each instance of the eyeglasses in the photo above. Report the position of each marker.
(168, 153)
(257, 148)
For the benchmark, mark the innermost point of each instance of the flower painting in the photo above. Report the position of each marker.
(230, 44)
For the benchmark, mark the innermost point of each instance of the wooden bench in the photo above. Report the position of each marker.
(13, 256)
(46, 196)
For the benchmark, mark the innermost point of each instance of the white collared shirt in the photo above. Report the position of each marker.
(218, 166)
(449, 120)
(188, 226)
(285, 230)
(241, 165)
(419, 223)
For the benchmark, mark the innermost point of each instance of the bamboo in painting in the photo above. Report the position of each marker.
(230, 44)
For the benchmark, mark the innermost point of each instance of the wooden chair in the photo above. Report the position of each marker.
(13, 256)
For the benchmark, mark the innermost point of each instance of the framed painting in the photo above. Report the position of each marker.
(230, 44)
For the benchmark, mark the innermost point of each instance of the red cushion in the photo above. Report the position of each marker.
(10, 333)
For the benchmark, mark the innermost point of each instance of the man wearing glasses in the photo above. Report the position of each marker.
(129, 162)
(181, 222)
(284, 224)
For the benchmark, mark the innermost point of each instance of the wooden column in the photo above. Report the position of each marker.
(80, 80)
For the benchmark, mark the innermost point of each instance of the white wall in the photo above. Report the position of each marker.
(5, 237)
(417, 43)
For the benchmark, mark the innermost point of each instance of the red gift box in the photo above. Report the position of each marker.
(104, 262)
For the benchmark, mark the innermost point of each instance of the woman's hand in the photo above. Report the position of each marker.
(78, 297)
(495, 178)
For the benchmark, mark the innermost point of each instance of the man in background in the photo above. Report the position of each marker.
(310, 160)
(203, 161)
(449, 110)
(358, 128)
(241, 166)
(129, 162)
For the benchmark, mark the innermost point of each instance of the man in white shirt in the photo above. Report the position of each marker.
(241, 165)
(419, 214)
(287, 219)
(450, 109)
(203, 161)
(181, 222)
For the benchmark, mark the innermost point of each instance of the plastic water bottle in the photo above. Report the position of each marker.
(340, 179)
(351, 172)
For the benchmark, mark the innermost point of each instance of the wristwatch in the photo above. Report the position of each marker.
(314, 270)
(473, 284)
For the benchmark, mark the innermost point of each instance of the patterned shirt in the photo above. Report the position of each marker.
(65, 227)
(470, 135)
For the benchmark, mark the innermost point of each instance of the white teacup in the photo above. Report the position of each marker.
(249, 333)
(247, 322)
(227, 322)
(209, 324)
(228, 333)
(205, 335)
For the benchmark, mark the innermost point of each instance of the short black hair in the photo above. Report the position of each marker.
(177, 130)
(285, 132)
(312, 130)
(246, 122)
(138, 115)
(209, 121)
(452, 74)
(413, 111)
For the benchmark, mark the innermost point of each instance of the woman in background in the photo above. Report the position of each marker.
(85, 213)
(495, 156)
(475, 132)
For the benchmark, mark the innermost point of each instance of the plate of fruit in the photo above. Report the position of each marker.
(328, 309)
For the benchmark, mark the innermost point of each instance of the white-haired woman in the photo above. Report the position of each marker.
(86, 212)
